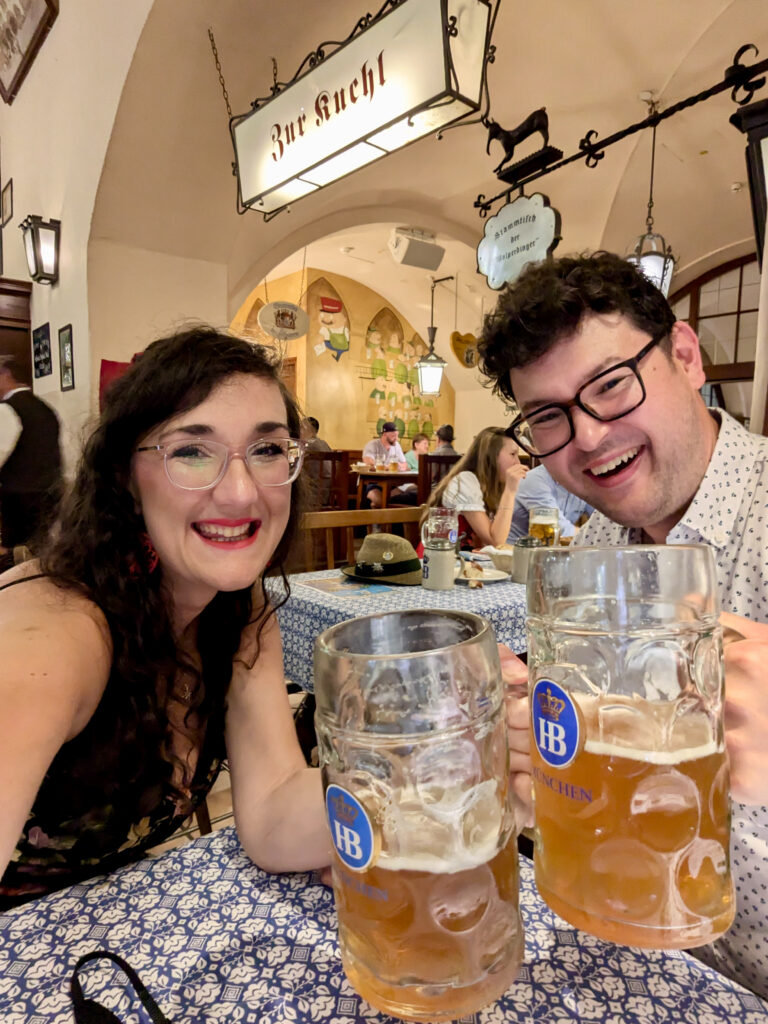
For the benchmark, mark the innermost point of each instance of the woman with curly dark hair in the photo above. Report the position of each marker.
(142, 648)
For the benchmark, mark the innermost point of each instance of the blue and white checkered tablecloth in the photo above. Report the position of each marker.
(322, 599)
(214, 938)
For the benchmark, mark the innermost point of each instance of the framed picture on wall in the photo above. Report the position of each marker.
(41, 350)
(66, 359)
(23, 27)
(6, 203)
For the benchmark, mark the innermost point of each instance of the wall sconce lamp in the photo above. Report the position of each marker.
(41, 244)
(430, 367)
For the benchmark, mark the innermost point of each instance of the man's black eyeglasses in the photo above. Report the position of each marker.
(607, 396)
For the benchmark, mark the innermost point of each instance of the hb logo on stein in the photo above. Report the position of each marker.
(555, 723)
(351, 831)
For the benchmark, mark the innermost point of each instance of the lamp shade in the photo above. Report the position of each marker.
(654, 258)
(430, 370)
(41, 245)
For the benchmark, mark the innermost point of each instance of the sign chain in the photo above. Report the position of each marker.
(221, 76)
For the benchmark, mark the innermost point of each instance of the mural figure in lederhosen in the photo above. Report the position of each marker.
(384, 417)
(374, 350)
(334, 328)
(386, 331)
(376, 397)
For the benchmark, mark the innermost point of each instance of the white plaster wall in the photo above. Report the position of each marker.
(54, 138)
(137, 296)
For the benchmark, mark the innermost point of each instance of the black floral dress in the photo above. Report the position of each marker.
(97, 809)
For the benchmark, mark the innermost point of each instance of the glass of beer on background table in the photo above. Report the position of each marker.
(630, 774)
(413, 749)
(544, 524)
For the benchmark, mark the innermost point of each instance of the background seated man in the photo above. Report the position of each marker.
(30, 463)
(445, 440)
(539, 488)
(384, 451)
(318, 473)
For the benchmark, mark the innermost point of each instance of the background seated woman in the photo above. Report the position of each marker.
(142, 649)
(482, 486)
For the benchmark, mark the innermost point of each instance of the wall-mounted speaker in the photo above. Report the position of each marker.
(415, 249)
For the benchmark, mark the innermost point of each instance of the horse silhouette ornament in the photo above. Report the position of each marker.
(537, 121)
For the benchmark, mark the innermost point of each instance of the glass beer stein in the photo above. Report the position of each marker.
(413, 750)
(630, 774)
(544, 525)
(439, 535)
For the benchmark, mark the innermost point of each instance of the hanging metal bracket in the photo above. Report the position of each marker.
(742, 79)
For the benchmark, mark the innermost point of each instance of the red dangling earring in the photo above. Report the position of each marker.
(149, 559)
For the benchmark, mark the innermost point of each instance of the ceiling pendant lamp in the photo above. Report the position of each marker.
(430, 367)
(651, 254)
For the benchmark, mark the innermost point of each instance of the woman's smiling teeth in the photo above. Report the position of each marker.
(614, 464)
(227, 534)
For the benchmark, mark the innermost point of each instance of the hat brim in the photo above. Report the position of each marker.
(407, 579)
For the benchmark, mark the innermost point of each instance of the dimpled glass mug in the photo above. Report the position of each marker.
(630, 774)
(544, 524)
(413, 750)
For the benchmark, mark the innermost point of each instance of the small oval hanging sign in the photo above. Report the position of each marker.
(524, 231)
(283, 320)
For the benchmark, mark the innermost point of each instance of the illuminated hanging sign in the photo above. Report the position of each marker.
(415, 69)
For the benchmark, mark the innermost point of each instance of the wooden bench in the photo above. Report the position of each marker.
(333, 522)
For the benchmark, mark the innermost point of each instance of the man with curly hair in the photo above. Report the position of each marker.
(606, 383)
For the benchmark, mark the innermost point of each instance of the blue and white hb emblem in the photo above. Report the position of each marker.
(351, 829)
(555, 723)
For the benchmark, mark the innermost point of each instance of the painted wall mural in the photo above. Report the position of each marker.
(252, 328)
(328, 320)
(356, 367)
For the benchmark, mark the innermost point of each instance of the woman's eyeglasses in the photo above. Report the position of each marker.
(197, 464)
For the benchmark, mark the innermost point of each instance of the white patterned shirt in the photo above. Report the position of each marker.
(729, 512)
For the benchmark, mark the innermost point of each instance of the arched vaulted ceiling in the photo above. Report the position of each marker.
(167, 185)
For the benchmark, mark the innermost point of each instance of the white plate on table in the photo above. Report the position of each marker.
(489, 576)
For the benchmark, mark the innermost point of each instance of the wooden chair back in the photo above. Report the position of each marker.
(328, 477)
(432, 469)
(331, 523)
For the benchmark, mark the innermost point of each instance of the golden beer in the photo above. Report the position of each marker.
(545, 532)
(425, 944)
(544, 524)
(412, 743)
(632, 843)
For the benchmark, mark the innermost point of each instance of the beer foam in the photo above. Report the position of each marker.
(653, 756)
(420, 834)
(648, 731)
(434, 864)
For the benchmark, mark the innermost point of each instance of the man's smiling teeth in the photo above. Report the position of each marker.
(615, 463)
(224, 533)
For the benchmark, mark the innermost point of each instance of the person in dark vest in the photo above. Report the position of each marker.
(30, 462)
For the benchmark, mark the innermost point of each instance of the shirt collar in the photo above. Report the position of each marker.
(15, 391)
